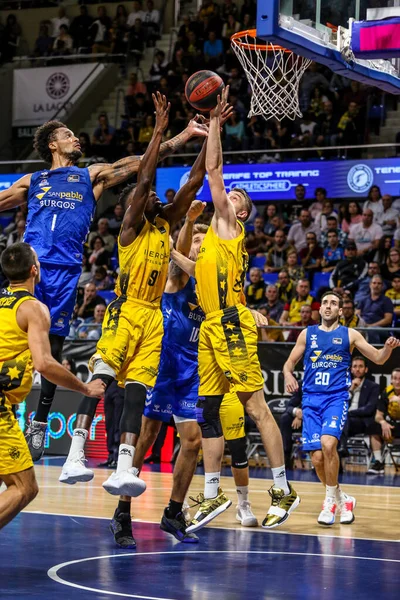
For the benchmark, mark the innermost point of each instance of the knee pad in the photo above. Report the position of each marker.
(135, 397)
(88, 405)
(237, 448)
(207, 415)
(98, 367)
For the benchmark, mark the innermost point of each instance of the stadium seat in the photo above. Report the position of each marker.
(108, 295)
(258, 261)
(320, 280)
(270, 278)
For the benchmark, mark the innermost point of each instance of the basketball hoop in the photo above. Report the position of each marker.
(274, 75)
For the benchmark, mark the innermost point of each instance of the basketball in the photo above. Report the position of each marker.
(202, 89)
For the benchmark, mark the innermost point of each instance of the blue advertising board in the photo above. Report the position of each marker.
(7, 180)
(267, 182)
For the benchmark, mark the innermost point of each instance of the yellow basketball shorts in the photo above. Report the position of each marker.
(232, 417)
(131, 338)
(14, 451)
(228, 352)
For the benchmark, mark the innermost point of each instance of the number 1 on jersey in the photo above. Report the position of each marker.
(53, 223)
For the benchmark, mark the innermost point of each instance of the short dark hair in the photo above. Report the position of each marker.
(247, 200)
(43, 136)
(348, 301)
(396, 370)
(362, 358)
(128, 189)
(331, 293)
(17, 261)
(332, 231)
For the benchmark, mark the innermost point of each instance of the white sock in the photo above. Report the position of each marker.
(280, 481)
(243, 493)
(378, 455)
(211, 484)
(331, 491)
(78, 442)
(125, 457)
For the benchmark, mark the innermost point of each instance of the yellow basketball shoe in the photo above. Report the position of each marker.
(281, 506)
(209, 509)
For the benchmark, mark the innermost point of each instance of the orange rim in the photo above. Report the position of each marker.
(236, 39)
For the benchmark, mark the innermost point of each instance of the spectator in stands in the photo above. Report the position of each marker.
(255, 291)
(317, 206)
(364, 395)
(69, 363)
(10, 39)
(270, 211)
(391, 268)
(269, 335)
(273, 304)
(101, 279)
(99, 256)
(291, 312)
(230, 27)
(234, 133)
(63, 44)
(317, 101)
(115, 222)
(350, 128)
(56, 22)
(326, 129)
(18, 234)
(349, 317)
(90, 329)
(364, 284)
(44, 43)
(311, 255)
(388, 416)
(384, 246)
(310, 80)
(394, 296)
(305, 321)
(100, 32)
(80, 30)
(333, 253)
(119, 32)
(151, 23)
(86, 275)
(396, 238)
(135, 86)
(103, 135)
(87, 301)
(229, 8)
(296, 271)
(137, 13)
(327, 211)
(103, 232)
(298, 231)
(286, 287)
(237, 82)
(376, 310)
(332, 223)
(387, 217)
(137, 40)
(159, 68)
(366, 234)
(373, 200)
(146, 131)
(86, 148)
(213, 51)
(291, 421)
(277, 255)
(348, 272)
(256, 240)
(352, 216)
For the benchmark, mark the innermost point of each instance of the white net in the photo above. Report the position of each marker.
(274, 74)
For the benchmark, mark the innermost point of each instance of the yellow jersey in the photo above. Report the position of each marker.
(144, 263)
(16, 366)
(220, 271)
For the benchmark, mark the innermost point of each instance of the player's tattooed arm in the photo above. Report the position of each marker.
(291, 384)
(195, 128)
(183, 262)
(15, 195)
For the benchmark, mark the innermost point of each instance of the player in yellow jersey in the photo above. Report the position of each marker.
(24, 344)
(228, 341)
(130, 346)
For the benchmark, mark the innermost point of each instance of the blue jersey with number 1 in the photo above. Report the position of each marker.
(327, 361)
(61, 204)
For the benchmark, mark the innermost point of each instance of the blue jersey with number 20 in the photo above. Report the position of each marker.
(327, 361)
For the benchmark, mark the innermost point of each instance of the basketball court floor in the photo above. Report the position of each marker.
(61, 546)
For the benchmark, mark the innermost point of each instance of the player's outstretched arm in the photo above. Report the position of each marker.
(184, 263)
(291, 384)
(184, 240)
(16, 194)
(105, 176)
(380, 356)
(138, 197)
(34, 318)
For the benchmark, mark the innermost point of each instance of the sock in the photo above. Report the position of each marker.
(331, 491)
(78, 442)
(173, 509)
(243, 493)
(125, 457)
(124, 506)
(280, 481)
(211, 484)
(378, 455)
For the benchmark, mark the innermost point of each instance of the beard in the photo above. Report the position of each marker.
(73, 156)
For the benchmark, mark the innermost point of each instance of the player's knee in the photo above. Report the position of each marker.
(329, 444)
(135, 397)
(191, 442)
(207, 415)
(258, 411)
(237, 448)
(317, 458)
(27, 493)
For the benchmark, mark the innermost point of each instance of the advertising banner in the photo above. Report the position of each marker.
(272, 182)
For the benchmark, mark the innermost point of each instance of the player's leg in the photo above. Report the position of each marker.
(317, 459)
(22, 488)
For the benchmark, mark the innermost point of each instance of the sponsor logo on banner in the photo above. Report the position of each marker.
(360, 178)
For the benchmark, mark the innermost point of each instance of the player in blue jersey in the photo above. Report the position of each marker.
(327, 350)
(61, 203)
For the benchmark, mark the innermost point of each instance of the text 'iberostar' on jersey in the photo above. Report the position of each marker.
(144, 263)
(327, 360)
(220, 271)
(61, 205)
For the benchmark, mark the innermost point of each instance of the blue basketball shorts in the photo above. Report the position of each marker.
(57, 290)
(176, 391)
(323, 415)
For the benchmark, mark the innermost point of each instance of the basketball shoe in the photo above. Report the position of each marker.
(327, 515)
(281, 506)
(347, 505)
(35, 436)
(245, 515)
(74, 470)
(121, 528)
(209, 509)
(125, 483)
(177, 526)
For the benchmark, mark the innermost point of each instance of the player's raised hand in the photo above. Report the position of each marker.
(162, 110)
(198, 126)
(260, 319)
(226, 113)
(222, 102)
(392, 342)
(291, 384)
(195, 210)
(96, 388)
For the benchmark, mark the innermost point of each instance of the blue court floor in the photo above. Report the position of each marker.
(44, 557)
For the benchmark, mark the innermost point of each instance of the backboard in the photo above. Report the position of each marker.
(321, 30)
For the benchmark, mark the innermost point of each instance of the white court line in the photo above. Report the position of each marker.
(53, 571)
(244, 529)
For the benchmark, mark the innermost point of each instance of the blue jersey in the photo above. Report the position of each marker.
(61, 204)
(182, 319)
(327, 361)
